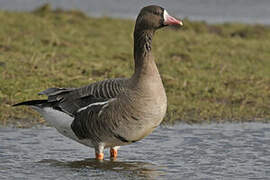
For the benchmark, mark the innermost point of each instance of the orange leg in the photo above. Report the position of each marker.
(99, 152)
(113, 152)
(99, 156)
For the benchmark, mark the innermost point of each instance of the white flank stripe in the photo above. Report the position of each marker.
(90, 105)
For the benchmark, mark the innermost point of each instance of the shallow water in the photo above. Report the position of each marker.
(223, 151)
(248, 11)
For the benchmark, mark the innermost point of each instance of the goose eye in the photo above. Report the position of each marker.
(157, 13)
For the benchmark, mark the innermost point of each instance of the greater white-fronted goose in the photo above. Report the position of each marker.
(113, 112)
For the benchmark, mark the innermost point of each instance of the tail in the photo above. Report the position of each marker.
(32, 103)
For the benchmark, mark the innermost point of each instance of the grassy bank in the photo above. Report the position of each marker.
(210, 72)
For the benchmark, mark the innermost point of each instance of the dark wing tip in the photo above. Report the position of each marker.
(31, 103)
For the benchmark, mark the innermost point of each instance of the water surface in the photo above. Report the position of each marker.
(248, 11)
(224, 151)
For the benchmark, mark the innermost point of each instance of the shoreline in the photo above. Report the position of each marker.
(211, 72)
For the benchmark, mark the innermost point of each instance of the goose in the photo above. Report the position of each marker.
(113, 112)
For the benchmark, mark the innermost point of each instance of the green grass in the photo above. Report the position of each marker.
(211, 73)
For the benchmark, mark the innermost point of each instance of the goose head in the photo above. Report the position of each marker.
(154, 17)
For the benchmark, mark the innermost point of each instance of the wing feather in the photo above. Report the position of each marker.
(70, 100)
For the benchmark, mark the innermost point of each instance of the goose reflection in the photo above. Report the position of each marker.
(130, 169)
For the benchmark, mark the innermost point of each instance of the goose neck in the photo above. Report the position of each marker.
(142, 49)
